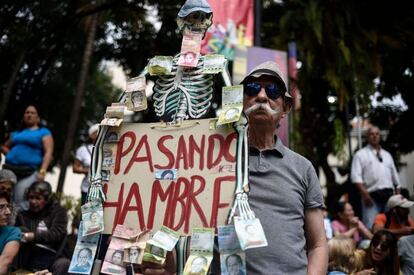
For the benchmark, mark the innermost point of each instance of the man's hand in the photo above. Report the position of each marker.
(368, 201)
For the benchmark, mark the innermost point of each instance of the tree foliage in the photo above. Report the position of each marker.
(343, 47)
(50, 35)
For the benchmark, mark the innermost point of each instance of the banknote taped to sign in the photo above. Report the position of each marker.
(202, 192)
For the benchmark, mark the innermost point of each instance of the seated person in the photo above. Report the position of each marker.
(397, 219)
(7, 182)
(341, 255)
(381, 257)
(347, 224)
(9, 235)
(44, 228)
(406, 253)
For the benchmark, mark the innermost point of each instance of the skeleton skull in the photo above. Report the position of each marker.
(195, 16)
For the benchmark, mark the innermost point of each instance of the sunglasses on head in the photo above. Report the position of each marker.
(272, 90)
(383, 246)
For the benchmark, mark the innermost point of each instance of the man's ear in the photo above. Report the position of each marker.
(287, 106)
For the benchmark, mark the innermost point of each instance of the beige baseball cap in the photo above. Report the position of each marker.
(400, 201)
(268, 68)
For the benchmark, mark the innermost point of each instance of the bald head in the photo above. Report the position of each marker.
(374, 136)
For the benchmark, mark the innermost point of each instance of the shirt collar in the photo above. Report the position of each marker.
(373, 149)
(278, 148)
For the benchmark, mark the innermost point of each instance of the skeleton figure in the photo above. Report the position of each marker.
(186, 93)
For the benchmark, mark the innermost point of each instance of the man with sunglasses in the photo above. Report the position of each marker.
(285, 192)
(376, 178)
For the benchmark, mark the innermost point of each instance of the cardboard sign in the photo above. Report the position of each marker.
(200, 195)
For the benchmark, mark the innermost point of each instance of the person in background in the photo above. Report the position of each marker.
(83, 160)
(396, 219)
(9, 235)
(327, 224)
(382, 255)
(28, 153)
(7, 181)
(44, 228)
(406, 253)
(376, 178)
(347, 224)
(341, 255)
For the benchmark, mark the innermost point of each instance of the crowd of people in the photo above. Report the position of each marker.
(284, 193)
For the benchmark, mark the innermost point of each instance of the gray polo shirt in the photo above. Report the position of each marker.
(282, 185)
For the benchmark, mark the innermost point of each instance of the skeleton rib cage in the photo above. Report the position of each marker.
(185, 94)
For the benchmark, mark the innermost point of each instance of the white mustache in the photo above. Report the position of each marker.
(263, 106)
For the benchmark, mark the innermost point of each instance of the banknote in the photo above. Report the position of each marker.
(197, 264)
(112, 121)
(232, 104)
(160, 65)
(250, 233)
(134, 253)
(233, 263)
(166, 174)
(165, 238)
(213, 63)
(136, 101)
(108, 160)
(154, 254)
(82, 259)
(227, 239)
(113, 261)
(92, 217)
(128, 233)
(84, 253)
(190, 49)
(111, 137)
(202, 240)
(106, 175)
(136, 84)
(114, 111)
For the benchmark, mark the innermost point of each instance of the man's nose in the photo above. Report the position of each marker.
(262, 96)
(8, 211)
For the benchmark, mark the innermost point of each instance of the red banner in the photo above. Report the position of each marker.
(233, 22)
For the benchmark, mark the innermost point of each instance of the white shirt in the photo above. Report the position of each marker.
(84, 155)
(374, 174)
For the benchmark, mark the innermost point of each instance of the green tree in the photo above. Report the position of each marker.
(41, 48)
(344, 46)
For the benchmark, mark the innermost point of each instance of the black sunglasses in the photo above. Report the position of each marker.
(272, 90)
(383, 246)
